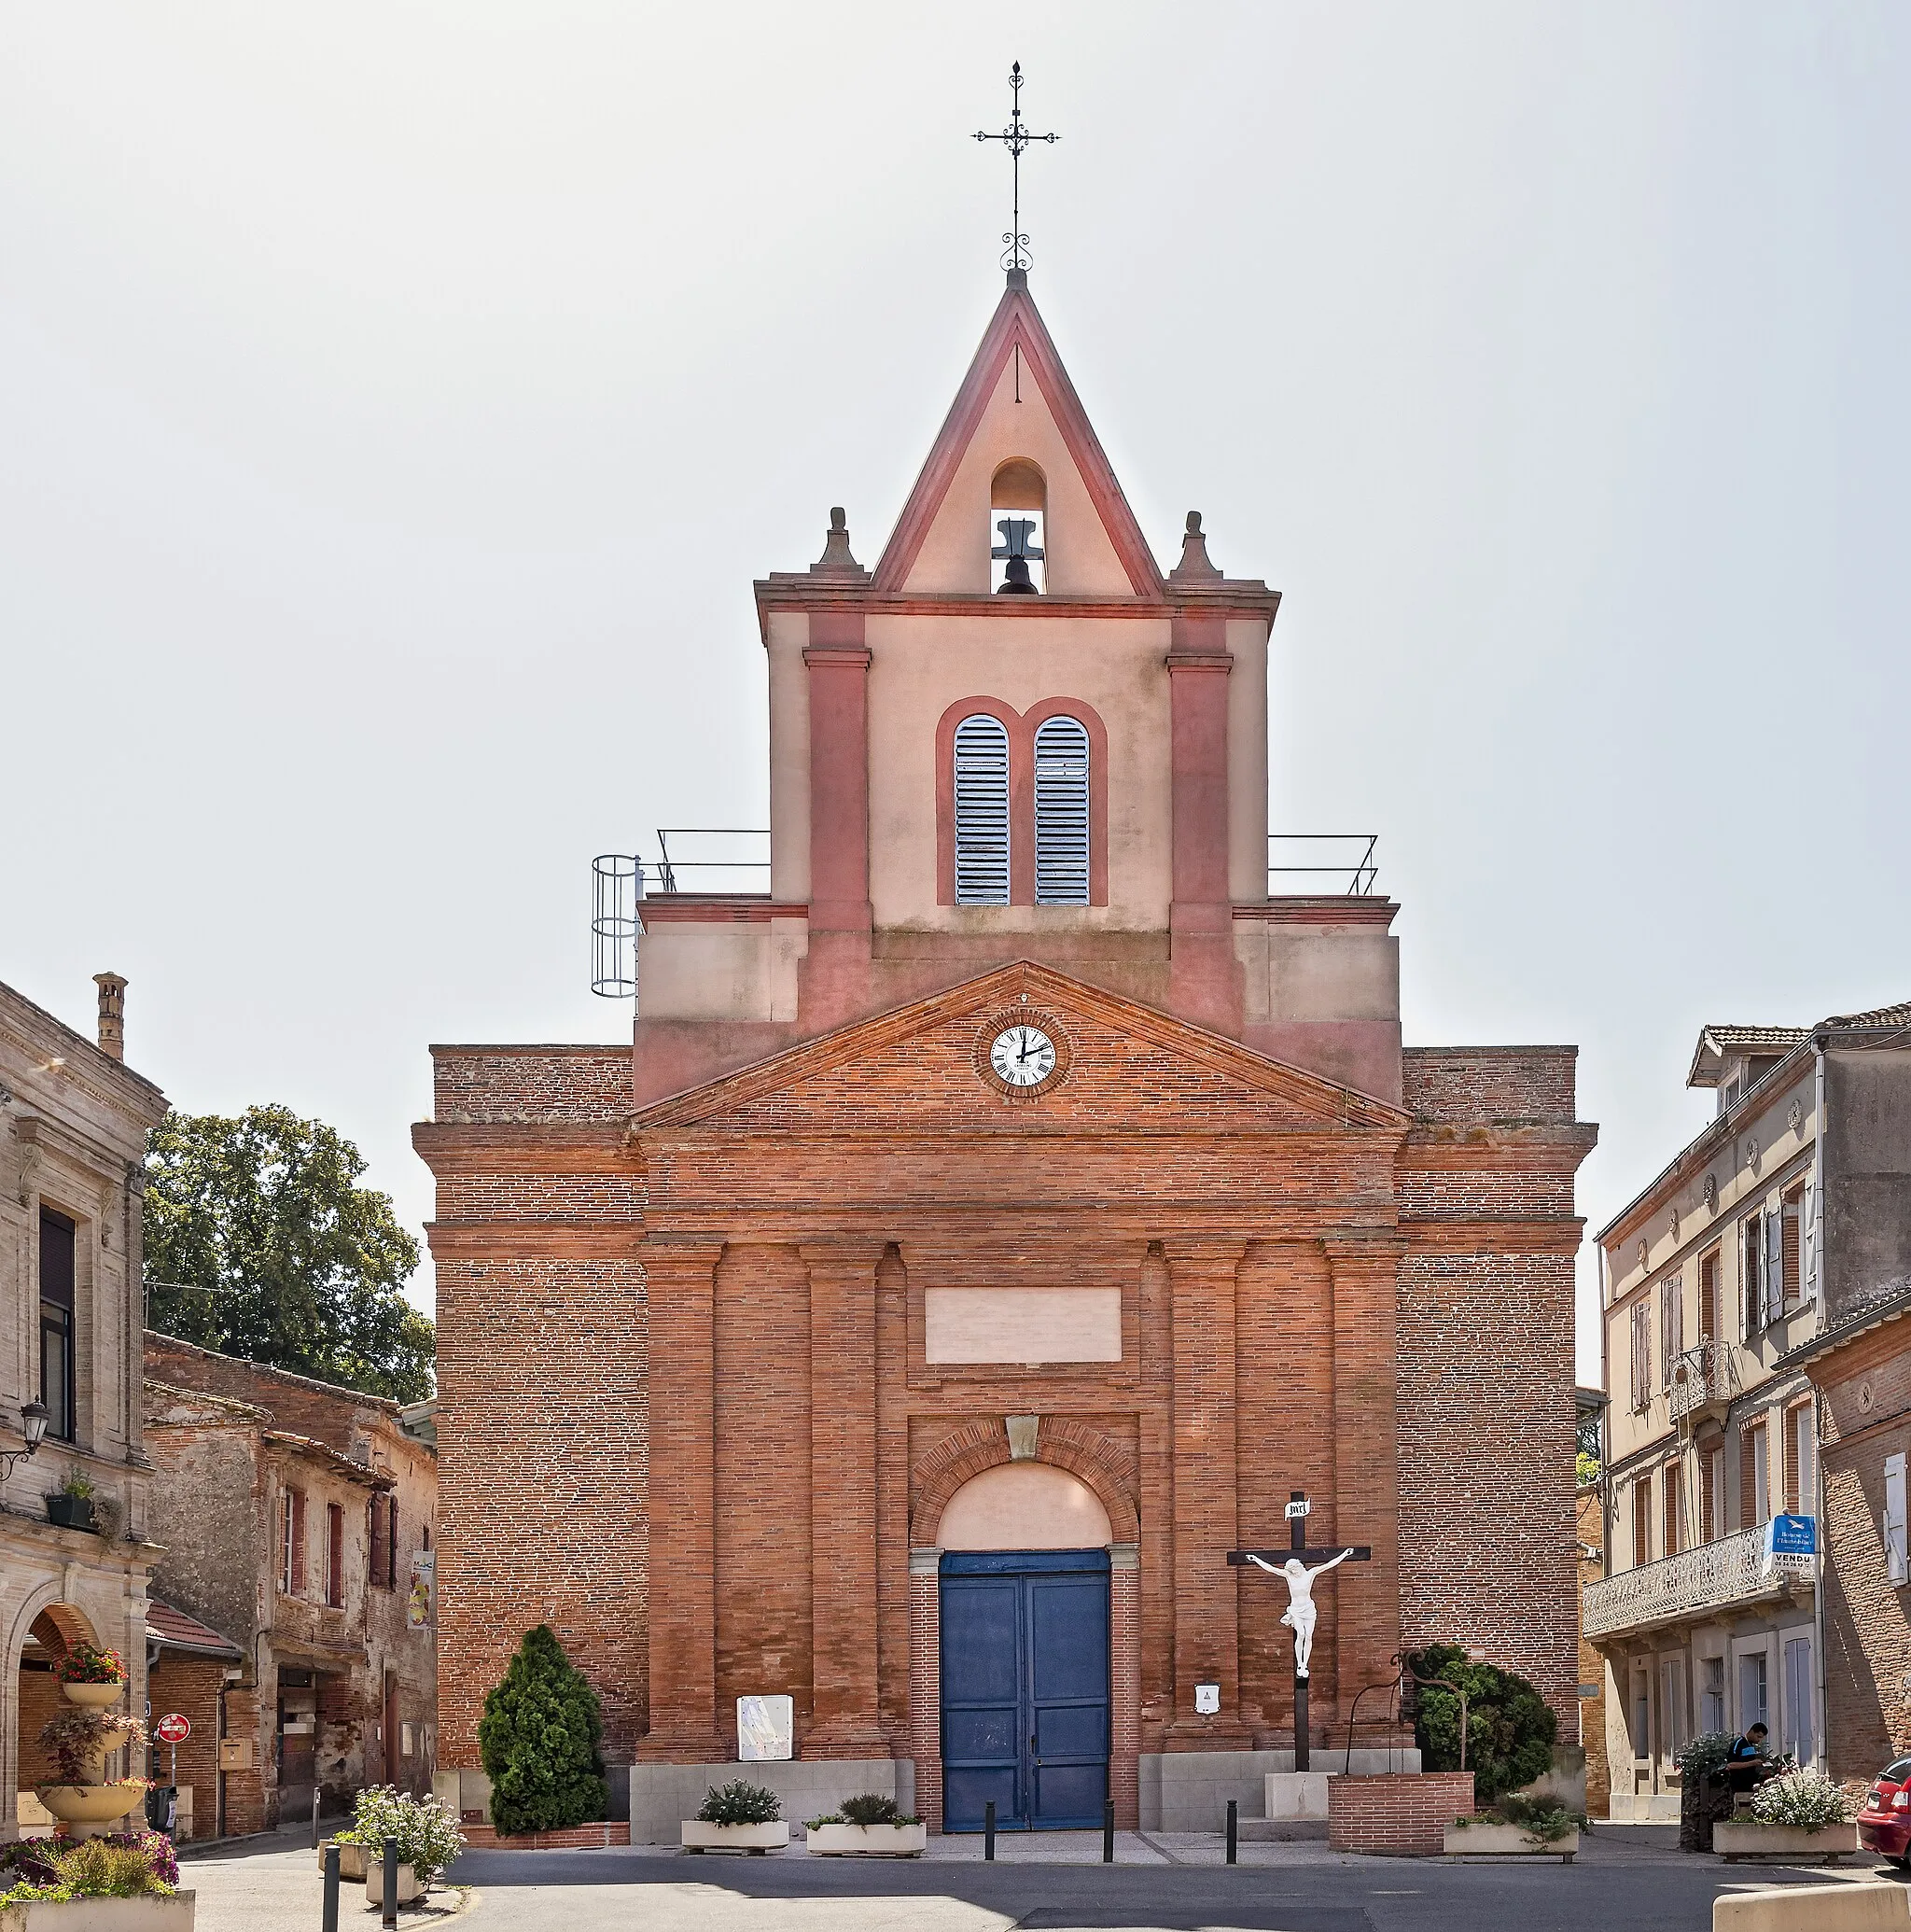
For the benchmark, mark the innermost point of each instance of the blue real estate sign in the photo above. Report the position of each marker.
(1792, 1544)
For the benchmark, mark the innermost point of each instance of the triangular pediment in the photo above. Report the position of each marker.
(1016, 403)
(922, 1068)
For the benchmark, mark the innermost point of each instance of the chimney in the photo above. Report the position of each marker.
(112, 1015)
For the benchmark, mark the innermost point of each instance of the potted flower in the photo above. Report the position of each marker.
(1515, 1828)
(1797, 1817)
(351, 1855)
(125, 1883)
(92, 1676)
(77, 1741)
(737, 1818)
(866, 1827)
(71, 1505)
(428, 1835)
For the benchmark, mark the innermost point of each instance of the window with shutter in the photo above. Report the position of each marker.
(1805, 1457)
(1709, 1297)
(1672, 1327)
(334, 1555)
(1061, 812)
(1789, 1254)
(1641, 1354)
(982, 812)
(1751, 1251)
(1641, 1522)
(1892, 1520)
(1775, 1265)
(1808, 1235)
(1672, 1482)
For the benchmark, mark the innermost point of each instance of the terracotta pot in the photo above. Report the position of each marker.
(95, 1696)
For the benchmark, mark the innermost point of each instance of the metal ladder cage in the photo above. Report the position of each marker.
(617, 897)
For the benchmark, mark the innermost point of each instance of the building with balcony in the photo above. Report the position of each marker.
(1731, 1287)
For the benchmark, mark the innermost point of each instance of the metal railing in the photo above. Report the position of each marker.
(1347, 856)
(1711, 1577)
(736, 868)
(1701, 1376)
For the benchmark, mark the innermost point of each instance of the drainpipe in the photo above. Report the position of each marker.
(1818, 1460)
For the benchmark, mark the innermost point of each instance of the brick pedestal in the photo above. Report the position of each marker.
(1397, 1817)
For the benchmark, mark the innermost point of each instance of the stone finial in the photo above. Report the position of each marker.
(836, 554)
(112, 1015)
(1194, 561)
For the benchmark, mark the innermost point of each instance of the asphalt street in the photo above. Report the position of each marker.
(1629, 1877)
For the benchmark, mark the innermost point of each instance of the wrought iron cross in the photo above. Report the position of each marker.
(1015, 137)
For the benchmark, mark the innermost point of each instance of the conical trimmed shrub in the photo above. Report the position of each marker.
(539, 1740)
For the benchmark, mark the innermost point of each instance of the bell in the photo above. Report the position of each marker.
(1016, 581)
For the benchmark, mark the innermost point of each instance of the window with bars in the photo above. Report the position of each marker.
(1061, 812)
(982, 811)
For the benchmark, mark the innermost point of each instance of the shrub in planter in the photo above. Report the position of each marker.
(740, 1802)
(539, 1741)
(426, 1831)
(872, 1810)
(97, 1868)
(1807, 1800)
(1510, 1727)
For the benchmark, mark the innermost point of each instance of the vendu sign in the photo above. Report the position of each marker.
(1792, 1544)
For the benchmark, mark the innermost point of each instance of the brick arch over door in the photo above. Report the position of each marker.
(1076, 1446)
(1021, 727)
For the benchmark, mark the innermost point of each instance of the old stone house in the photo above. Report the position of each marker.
(74, 1120)
(1009, 1207)
(298, 1519)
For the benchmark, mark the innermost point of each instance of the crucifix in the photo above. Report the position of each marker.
(1298, 1567)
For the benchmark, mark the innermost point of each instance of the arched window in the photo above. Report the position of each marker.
(1061, 812)
(982, 811)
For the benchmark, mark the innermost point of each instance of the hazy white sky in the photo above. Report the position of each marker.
(396, 401)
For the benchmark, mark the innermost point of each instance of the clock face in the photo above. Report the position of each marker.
(1023, 1056)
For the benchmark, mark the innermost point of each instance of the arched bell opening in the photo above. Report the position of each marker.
(1018, 525)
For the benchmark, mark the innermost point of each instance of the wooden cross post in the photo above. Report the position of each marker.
(1310, 1560)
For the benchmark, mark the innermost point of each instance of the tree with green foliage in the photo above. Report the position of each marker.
(539, 1742)
(1510, 1726)
(260, 1243)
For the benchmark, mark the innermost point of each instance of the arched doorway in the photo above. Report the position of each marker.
(53, 1629)
(1024, 1623)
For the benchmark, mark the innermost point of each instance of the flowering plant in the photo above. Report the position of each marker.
(77, 1739)
(1807, 1799)
(426, 1831)
(86, 1663)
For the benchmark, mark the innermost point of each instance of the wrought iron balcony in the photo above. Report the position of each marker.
(1695, 1581)
(1703, 1378)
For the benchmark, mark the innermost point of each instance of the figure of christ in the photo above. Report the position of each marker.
(1300, 1612)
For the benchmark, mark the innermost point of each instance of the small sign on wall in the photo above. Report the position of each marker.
(418, 1605)
(1207, 1699)
(235, 1754)
(765, 1728)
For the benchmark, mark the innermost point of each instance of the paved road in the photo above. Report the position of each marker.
(1631, 1878)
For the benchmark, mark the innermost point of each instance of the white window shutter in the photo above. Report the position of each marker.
(982, 811)
(1893, 1522)
(1061, 812)
(1808, 1237)
(1775, 1262)
(1748, 1280)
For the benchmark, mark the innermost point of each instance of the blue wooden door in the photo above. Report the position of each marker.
(1025, 1689)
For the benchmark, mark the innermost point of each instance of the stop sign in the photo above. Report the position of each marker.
(172, 1728)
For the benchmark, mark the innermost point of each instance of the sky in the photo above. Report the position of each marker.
(397, 402)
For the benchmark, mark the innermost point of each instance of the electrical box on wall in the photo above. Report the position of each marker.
(1207, 1699)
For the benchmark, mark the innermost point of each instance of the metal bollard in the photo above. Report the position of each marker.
(389, 1916)
(1234, 1826)
(329, 1923)
(988, 1831)
(314, 1817)
(1107, 1831)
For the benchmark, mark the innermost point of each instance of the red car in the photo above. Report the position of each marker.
(1885, 1823)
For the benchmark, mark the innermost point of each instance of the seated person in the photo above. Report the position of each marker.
(1747, 1764)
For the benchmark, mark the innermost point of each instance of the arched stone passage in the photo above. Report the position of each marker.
(58, 1628)
(55, 1628)
(1024, 1506)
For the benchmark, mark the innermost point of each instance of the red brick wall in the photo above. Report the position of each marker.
(40, 1699)
(302, 1408)
(189, 1684)
(1401, 1817)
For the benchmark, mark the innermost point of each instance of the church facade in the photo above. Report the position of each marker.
(994, 1223)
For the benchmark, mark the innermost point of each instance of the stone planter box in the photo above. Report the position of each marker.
(869, 1841)
(92, 1804)
(150, 1914)
(1784, 1845)
(700, 1836)
(95, 1696)
(1506, 1842)
(350, 1861)
(409, 1889)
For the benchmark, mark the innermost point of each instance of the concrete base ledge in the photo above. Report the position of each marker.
(662, 1795)
(1188, 1790)
(1849, 1908)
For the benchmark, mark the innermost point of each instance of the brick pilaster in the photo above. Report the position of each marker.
(682, 1279)
(1205, 1606)
(1366, 1461)
(1125, 1685)
(926, 1682)
(847, 1722)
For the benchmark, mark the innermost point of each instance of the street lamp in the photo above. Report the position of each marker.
(33, 1425)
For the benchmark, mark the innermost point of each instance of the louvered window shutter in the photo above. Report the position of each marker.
(982, 812)
(1775, 1264)
(1061, 813)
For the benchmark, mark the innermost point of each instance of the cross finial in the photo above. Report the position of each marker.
(1015, 137)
